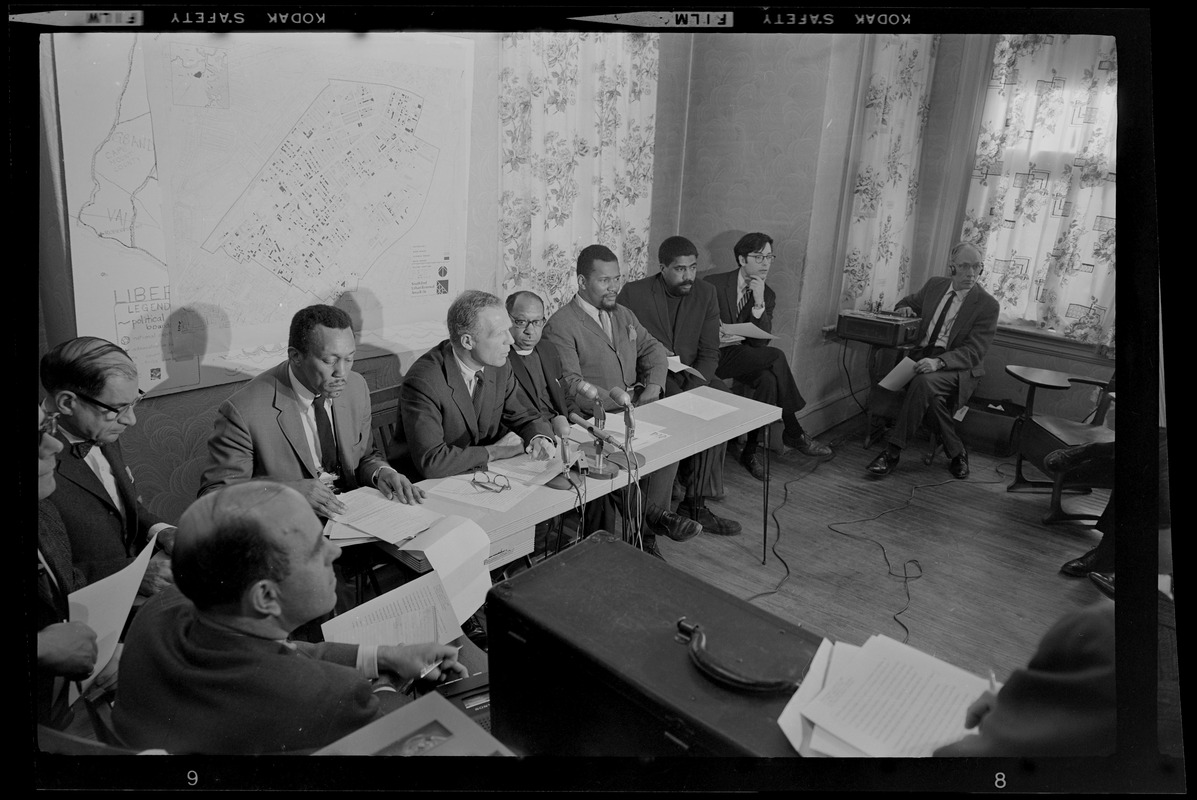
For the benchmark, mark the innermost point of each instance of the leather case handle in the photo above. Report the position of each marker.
(720, 673)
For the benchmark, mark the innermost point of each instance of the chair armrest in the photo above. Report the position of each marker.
(1042, 378)
(1102, 382)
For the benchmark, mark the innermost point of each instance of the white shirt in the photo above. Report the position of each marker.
(741, 282)
(470, 376)
(596, 314)
(307, 413)
(99, 465)
(944, 332)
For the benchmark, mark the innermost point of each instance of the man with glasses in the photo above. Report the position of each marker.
(744, 297)
(91, 385)
(535, 363)
(959, 319)
(603, 344)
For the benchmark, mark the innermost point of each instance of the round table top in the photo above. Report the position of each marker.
(1045, 378)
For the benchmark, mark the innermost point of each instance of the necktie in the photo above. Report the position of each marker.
(745, 299)
(605, 319)
(939, 322)
(81, 449)
(328, 446)
(476, 395)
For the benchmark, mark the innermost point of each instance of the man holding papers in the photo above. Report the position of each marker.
(744, 298)
(208, 667)
(959, 319)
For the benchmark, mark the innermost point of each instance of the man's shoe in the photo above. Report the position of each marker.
(1080, 567)
(1068, 458)
(650, 547)
(752, 463)
(1103, 581)
(959, 465)
(884, 463)
(709, 522)
(672, 525)
(806, 445)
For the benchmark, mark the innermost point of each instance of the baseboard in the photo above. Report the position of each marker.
(823, 415)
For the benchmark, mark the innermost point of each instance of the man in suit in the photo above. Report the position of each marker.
(91, 387)
(305, 422)
(744, 297)
(603, 344)
(684, 316)
(208, 667)
(959, 319)
(534, 362)
(460, 405)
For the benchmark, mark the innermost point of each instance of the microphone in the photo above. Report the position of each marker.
(620, 396)
(591, 393)
(597, 433)
(560, 427)
(624, 401)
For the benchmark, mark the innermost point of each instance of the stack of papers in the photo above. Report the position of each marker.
(369, 514)
(884, 699)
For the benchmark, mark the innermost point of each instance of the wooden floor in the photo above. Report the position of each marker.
(984, 582)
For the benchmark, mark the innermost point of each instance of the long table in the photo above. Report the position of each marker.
(512, 532)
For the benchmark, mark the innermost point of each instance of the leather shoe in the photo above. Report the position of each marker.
(753, 464)
(1080, 567)
(959, 465)
(1068, 458)
(709, 522)
(1104, 582)
(806, 445)
(884, 463)
(672, 525)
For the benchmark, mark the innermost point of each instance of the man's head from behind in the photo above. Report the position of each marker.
(92, 384)
(965, 265)
(598, 276)
(321, 347)
(526, 310)
(254, 554)
(678, 258)
(479, 329)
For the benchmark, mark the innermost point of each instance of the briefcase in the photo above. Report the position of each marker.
(587, 659)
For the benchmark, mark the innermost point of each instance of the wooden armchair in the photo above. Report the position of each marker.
(1040, 434)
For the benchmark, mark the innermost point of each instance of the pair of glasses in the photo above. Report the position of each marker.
(49, 425)
(524, 323)
(976, 267)
(760, 259)
(116, 410)
(490, 483)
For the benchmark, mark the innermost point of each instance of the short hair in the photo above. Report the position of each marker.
(223, 547)
(514, 298)
(675, 247)
(83, 365)
(751, 243)
(591, 254)
(306, 320)
(464, 311)
(956, 248)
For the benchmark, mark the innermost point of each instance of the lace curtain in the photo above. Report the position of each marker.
(577, 114)
(1041, 199)
(885, 188)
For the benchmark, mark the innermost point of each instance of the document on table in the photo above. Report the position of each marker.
(104, 607)
(676, 365)
(899, 376)
(461, 489)
(701, 407)
(457, 549)
(344, 535)
(369, 512)
(527, 470)
(746, 329)
(894, 701)
(400, 613)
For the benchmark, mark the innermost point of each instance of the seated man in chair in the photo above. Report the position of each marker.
(959, 319)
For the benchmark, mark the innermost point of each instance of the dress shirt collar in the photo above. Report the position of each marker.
(524, 353)
(304, 394)
(467, 373)
(591, 310)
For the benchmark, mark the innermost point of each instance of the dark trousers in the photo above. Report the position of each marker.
(928, 392)
(767, 371)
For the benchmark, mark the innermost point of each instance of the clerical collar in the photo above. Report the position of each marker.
(523, 352)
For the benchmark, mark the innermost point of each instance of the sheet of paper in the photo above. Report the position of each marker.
(460, 489)
(344, 535)
(369, 512)
(410, 626)
(899, 376)
(796, 728)
(701, 407)
(527, 470)
(676, 365)
(425, 592)
(896, 701)
(457, 549)
(746, 329)
(104, 607)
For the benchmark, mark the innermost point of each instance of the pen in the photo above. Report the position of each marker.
(992, 681)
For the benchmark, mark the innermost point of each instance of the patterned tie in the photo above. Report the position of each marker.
(605, 319)
(328, 446)
(81, 449)
(745, 299)
(939, 322)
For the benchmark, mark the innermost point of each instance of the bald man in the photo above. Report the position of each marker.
(208, 667)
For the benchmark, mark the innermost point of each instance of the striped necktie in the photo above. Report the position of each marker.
(745, 299)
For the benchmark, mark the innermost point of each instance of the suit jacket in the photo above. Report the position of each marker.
(550, 363)
(695, 336)
(587, 354)
(102, 539)
(728, 298)
(1062, 703)
(52, 606)
(444, 434)
(971, 333)
(188, 686)
(259, 433)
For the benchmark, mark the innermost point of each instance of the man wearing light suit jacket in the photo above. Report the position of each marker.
(959, 319)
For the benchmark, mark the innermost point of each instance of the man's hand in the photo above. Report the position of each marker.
(396, 487)
(977, 711)
(509, 446)
(409, 661)
(543, 448)
(157, 575)
(650, 393)
(927, 365)
(726, 338)
(757, 284)
(106, 678)
(319, 497)
(166, 538)
(67, 648)
(905, 311)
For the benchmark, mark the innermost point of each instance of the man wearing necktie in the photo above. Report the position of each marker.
(91, 384)
(959, 319)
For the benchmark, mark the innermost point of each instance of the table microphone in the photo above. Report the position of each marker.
(591, 393)
(599, 467)
(594, 431)
(566, 478)
(621, 398)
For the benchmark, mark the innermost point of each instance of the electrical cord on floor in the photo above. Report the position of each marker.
(848, 375)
